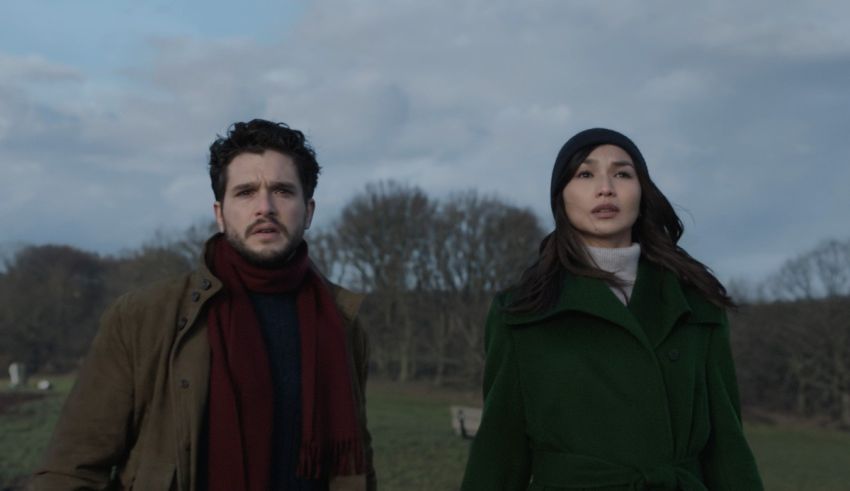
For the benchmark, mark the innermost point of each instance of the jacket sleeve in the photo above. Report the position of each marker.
(91, 435)
(727, 461)
(360, 348)
(500, 457)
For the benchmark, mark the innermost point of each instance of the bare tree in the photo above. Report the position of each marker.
(794, 280)
(328, 255)
(432, 268)
(832, 267)
(141, 267)
(382, 233)
(798, 345)
(481, 247)
(189, 243)
(50, 298)
(821, 272)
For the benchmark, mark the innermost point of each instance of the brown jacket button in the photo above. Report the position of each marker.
(205, 284)
(196, 296)
(184, 384)
(182, 323)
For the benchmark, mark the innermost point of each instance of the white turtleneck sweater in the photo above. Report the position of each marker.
(622, 262)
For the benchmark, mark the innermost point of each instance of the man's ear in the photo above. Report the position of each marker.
(219, 217)
(308, 213)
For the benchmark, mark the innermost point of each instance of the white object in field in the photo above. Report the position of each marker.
(465, 420)
(18, 374)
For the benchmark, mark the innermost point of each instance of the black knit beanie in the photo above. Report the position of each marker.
(587, 138)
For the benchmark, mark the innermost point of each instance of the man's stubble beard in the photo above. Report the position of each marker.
(271, 260)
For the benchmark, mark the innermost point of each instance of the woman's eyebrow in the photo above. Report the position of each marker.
(622, 163)
(618, 163)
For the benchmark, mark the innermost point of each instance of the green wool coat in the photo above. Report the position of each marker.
(596, 395)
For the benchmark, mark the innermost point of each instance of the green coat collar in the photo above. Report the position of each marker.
(658, 302)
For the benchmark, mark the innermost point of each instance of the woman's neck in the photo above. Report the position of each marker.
(622, 262)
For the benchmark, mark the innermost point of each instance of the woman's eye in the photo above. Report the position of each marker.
(626, 175)
(584, 174)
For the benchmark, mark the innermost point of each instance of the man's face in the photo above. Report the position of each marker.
(263, 213)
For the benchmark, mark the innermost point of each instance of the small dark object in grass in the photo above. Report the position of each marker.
(11, 399)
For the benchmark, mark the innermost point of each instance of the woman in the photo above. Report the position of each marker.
(608, 365)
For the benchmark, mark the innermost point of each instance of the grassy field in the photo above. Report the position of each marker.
(413, 442)
(415, 448)
(801, 458)
(26, 420)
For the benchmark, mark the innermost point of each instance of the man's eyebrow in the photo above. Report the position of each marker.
(282, 184)
(250, 186)
(244, 187)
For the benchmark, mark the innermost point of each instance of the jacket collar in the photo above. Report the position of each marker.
(658, 302)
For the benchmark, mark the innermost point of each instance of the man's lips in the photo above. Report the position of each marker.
(264, 228)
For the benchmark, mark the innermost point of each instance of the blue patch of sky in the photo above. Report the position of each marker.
(100, 37)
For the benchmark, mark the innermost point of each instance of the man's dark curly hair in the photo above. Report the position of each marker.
(257, 136)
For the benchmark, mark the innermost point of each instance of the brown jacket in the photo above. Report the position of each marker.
(139, 402)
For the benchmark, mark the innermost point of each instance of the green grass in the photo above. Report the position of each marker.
(25, 429)
(801, 458)
(415, 448)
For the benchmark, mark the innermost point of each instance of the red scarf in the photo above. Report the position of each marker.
(241, 389)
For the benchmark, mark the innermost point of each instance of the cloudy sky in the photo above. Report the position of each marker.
(742, 109)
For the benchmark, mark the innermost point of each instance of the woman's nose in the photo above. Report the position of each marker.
(606, 187)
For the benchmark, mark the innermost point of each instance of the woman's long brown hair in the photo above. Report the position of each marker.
(657, 230)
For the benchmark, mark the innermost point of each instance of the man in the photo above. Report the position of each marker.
(246, 374)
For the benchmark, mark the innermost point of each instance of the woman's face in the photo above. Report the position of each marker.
(602, 200)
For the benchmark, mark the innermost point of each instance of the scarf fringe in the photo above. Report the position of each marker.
(339, 458)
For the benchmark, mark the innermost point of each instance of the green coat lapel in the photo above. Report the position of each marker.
(658, 302)
(588, 296)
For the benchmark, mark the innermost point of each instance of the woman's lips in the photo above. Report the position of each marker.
(605, 211)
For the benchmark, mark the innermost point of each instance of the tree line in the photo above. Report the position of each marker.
(52, 296)
(791, 337)
(431, 267)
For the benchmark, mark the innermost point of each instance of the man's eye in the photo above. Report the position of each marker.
(244, 192)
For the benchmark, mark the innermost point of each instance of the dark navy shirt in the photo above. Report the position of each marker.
(278, 319)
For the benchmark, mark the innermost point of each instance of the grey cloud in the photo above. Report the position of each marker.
(34, 68)
(736, 106)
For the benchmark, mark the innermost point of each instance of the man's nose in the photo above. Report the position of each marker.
(265, 205)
